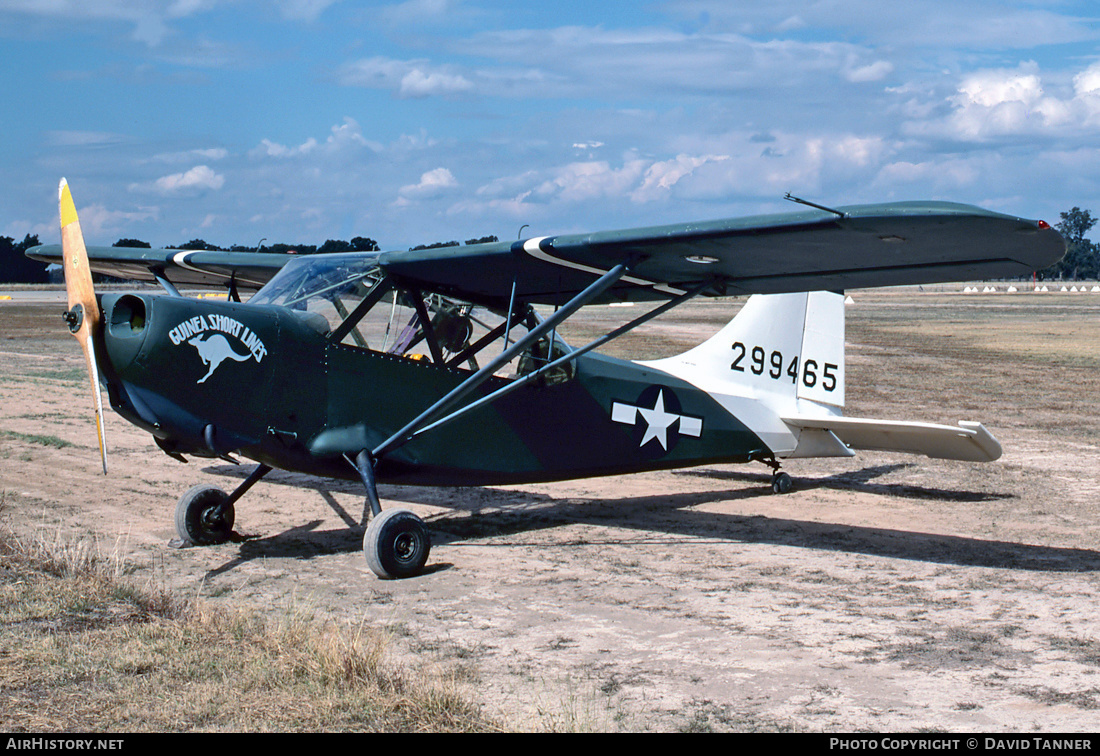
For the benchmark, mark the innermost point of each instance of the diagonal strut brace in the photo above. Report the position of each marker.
(534, 376)
(452, 398)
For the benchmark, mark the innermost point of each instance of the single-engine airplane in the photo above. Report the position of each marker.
(434, 367)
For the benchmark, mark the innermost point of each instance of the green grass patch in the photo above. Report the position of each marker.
(37, 439)
(75, 375)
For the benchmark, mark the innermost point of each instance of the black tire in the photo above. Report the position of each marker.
(782, 483)
(202, 518)
(396, 544)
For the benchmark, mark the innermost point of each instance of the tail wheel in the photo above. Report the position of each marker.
(396, 544)
(204, 517)
(781, 483)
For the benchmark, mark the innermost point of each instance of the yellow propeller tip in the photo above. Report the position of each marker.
(68, 209)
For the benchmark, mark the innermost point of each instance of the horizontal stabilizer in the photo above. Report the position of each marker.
(968, 441)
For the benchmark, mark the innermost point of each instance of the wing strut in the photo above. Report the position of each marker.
(534, 376)
(595, 289)
(167, 285)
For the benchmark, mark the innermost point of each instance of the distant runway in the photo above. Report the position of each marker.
(21, 295)
(31, 296)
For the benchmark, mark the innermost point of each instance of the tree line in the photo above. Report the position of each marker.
(1082, 260)
(358, 244)
(16, 267)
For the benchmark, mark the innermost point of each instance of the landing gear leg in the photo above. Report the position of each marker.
(365, 464)
(396, 543)
(205, 514)
(251, 480)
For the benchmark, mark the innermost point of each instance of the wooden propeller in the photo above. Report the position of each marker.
(83, 316)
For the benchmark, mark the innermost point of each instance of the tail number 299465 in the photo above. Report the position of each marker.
(762, 362)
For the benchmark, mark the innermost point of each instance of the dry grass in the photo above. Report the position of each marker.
(84, 648)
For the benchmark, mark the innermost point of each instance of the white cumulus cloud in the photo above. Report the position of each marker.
(997, 103)
(99, 222)
(342, 138)
(1087, 82)
(432, 184)
(992, 88)
(405, 78)
(199, 179)
(876, 71)
(662, 176)
(578, 182)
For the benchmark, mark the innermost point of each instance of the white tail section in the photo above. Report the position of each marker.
(822, 372)
(781, 348)
(779, 368)
(781, 356)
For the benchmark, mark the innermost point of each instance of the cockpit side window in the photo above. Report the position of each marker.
(364, 309)
(457, 334)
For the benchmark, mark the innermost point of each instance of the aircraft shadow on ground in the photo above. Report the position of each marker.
(487, 513)
(856, 480)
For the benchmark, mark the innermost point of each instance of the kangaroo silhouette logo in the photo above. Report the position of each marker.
(213, 350)
(210, 334)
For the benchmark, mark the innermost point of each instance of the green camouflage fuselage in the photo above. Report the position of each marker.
(216, 378)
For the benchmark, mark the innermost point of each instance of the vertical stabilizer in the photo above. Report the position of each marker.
(781, 356)
(782, 347)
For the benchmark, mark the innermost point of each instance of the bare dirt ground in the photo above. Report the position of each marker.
(886, 593)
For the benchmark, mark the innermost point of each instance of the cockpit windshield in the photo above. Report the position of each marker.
(304, 283)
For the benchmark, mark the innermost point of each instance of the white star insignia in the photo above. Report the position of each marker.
(658, 420)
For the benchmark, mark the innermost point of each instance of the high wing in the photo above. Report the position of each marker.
(853, 247)
(247, 270)
(815, 249)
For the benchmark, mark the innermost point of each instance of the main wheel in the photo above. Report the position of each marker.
(396, 544)
(781, 483)
(202, 516)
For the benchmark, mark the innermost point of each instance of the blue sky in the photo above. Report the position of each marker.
(430, 120)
